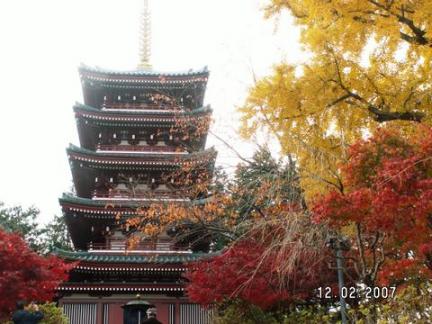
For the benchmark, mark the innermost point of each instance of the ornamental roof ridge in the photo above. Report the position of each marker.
(144, 73)
(211, 151)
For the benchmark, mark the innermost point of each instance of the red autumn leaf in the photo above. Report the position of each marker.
(25, 275)
(388, 189)
(242, 272)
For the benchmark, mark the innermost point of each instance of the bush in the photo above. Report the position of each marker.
(52, 314)
(242, 312)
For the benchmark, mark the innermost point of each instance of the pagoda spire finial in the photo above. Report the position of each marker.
(145, 38)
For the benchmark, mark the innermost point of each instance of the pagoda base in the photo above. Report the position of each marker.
(105, 308)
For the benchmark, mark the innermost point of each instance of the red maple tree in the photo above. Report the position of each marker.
(25, 275)
(386, 205)
(244, 271)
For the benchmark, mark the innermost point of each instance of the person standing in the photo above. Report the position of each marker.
(151, 317)
(24, 316)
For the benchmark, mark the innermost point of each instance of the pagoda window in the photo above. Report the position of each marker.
(133, 139)
(152, 140)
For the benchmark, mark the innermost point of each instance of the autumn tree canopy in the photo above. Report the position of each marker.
(370, 63)
(261, 187)
(274, 254)
(386, 206)
(25, 275)
(242, 272)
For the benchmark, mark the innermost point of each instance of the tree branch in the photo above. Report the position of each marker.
(419, 34)
(231, 148)
(361, 251)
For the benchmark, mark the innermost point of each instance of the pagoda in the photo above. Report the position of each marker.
(130, 143)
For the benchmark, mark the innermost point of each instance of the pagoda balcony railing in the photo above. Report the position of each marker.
(116, 247)
(141, 105)
(127, 193)
(139, 148)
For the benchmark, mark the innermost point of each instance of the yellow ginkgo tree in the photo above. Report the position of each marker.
(370, 64)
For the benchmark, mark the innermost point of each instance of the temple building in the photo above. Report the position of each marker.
(130, 143)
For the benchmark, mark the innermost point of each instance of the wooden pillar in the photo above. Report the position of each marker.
(99, 313)
(177, 312)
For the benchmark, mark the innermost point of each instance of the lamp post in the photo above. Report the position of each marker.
(339, 244)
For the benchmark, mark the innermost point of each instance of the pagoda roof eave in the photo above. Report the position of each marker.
(141, 79)
(147, 117)
(85, 266)
(120, 287)
(154, 258)
(142, 73)
(150, 159)
(84, 107)
(113, 207)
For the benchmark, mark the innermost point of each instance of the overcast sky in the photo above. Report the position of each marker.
(43, 42)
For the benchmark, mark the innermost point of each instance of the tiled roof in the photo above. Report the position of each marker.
(145, 159)
(111, 207)
(131, 258)
(138, 116)
(137, 112)
(121, 287)
(86, 68)
(141, 78)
